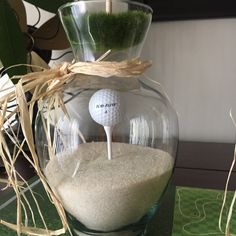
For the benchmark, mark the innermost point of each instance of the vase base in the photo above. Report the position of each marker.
(121, 233)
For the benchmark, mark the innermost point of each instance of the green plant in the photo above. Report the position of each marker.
(18, 40)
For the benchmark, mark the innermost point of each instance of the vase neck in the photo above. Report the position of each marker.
(92, 32)
(84, 53)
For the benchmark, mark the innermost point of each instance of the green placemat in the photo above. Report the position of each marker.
(8, 210)
(197, 212)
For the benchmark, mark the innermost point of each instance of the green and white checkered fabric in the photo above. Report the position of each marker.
(197, 212)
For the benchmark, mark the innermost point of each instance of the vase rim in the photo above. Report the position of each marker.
(147, 7)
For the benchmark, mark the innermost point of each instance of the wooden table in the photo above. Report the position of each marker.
(204, 165)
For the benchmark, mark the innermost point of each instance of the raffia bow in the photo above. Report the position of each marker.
(51, 80)
(107, 69)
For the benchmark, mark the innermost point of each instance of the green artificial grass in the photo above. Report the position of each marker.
(101, 31)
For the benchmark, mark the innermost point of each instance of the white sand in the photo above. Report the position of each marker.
(106, 195)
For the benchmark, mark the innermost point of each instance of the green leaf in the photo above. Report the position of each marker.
(49, 5)
(12, 43)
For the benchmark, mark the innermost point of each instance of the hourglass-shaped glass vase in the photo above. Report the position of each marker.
(114, 196)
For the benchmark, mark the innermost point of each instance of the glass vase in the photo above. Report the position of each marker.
(112, 152)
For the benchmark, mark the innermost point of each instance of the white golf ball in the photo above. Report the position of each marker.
(105, 107)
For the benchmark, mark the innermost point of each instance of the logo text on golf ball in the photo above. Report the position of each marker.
(106, 105)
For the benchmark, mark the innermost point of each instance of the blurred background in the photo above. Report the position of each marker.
(195, 61)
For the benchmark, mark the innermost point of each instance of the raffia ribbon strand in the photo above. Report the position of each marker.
(126, 68)
(107, 69)
(56, 77)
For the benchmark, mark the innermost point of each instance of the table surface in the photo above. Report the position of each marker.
(202, 165)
